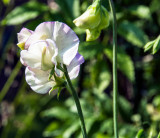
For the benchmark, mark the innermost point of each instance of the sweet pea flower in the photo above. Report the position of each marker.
(51, 45)
(94, 19)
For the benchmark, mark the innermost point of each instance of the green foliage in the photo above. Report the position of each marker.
(132, 33)
(124, 62)
(155, 45)
(140, 134)
(24, 13)
(140, 11)
(100, 76)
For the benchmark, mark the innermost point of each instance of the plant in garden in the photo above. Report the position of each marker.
(50, 54)
(154, 45)
(94, 19)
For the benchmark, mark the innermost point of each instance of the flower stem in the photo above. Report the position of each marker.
(115, 87)
(76, 99)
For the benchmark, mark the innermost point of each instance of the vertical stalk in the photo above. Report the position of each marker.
(76, 99)
(115, 87)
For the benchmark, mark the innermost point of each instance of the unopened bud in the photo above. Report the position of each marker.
(93, 20)
(90, 18)
(92, 34)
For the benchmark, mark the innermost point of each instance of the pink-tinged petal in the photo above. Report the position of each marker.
(74, 67)
(42, 32)
(23, 35)
(21, 60)
(66, 41)
(32, 56)
(38, 80)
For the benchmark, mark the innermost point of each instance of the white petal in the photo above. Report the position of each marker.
(64, 37)
(33, 56)
(74, 67)
(66, 41)
(38, 80)
(42, 32)
(24, 34)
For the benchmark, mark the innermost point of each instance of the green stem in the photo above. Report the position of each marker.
(115, 87)
(76, 99)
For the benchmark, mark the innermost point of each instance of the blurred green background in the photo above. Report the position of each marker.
(26, 114)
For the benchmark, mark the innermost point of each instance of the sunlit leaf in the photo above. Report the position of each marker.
(132, 33)
(148, 46)
(57, 113)
(141, 11)
(24, 13)
(140, 134)
(156, 45)
(70, 130)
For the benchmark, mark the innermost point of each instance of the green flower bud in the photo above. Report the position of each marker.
(104, 18)
(94, 19)
(90, 18)
(92, 34)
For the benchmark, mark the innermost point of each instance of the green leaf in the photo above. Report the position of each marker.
(70, 8)
(149, 45)
(57, 113)
(154, 6)
(24, 13)
(140, 134)
(156, 45)
(132, 33)
(70, 130)
(124, 62)
(158, 135)
(125, 108)
(141, 11)
(100, 75)
(90, 49)
(52, 129)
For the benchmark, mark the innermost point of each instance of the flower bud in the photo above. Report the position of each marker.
(104, 18)
(90, 18)
(92, 34)
(93, 20)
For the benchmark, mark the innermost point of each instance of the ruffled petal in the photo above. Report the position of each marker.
(32, 56)
(42, 32)
(23, 35)
(38, 80)
(74, 67)
(64, 37)
(66, 41)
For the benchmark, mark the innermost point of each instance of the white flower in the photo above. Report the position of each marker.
(50, 45)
